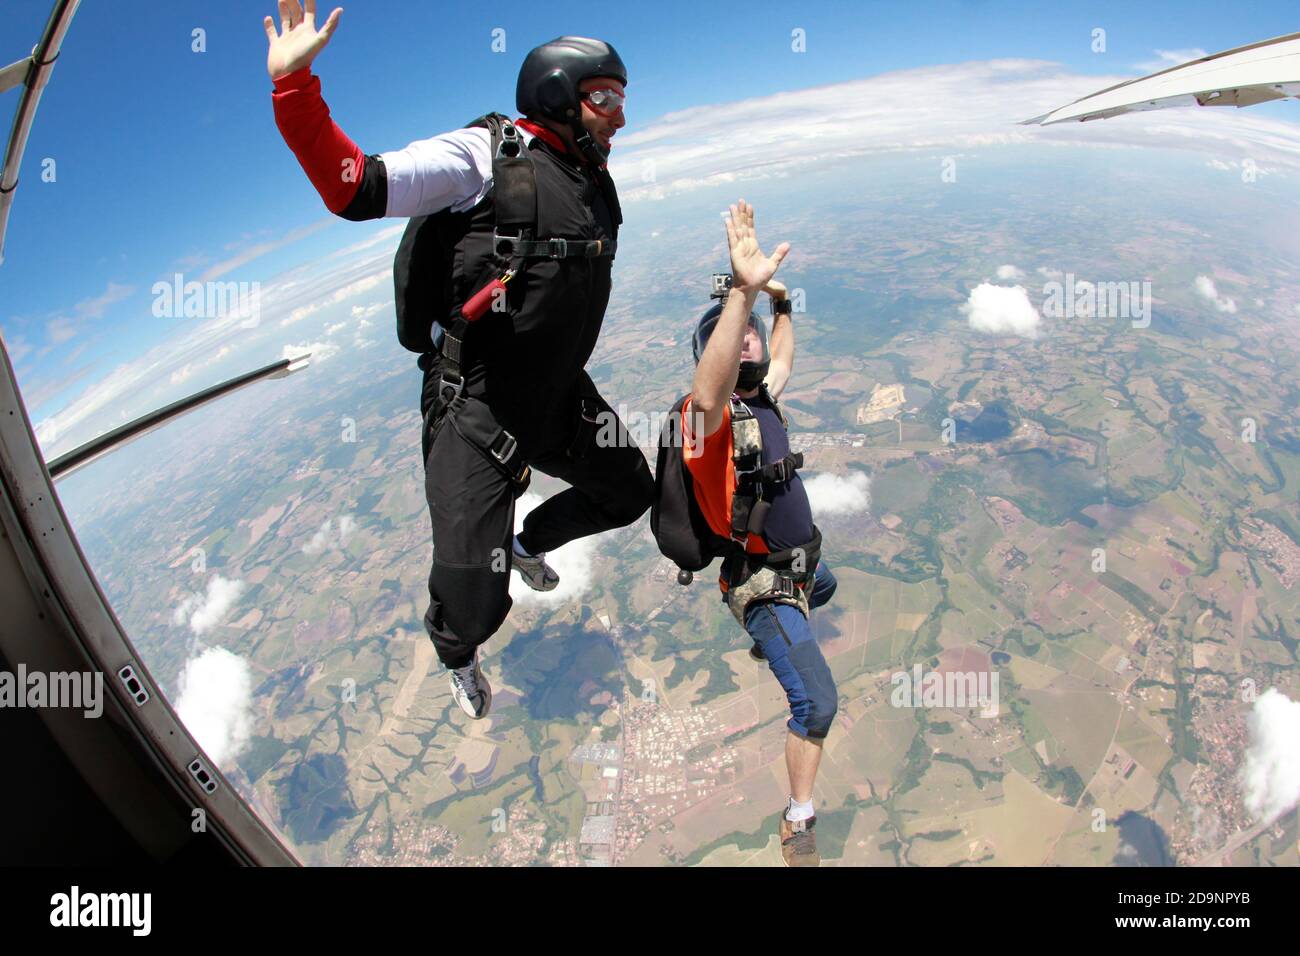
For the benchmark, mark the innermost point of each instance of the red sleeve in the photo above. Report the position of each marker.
(321, 147)
(712, 470)
(714, 474)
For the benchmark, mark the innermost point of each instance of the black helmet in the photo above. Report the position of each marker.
(549, 78)
(751, 373)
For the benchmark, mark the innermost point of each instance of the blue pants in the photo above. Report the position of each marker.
(786, 639)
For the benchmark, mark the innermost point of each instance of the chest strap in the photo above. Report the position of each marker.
(779, 472)
(518, 247)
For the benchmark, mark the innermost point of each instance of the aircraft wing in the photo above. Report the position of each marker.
(1268, 70)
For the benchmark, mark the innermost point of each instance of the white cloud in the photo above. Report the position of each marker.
(1205, 288)
(362, 311)
(215, 703)
(320, 351)
(388, 235)
(360, 341)
(95, 308)
(257, 250)
(1270, 774)
(320, 540)
(19, 348)
(60, 330)
(1232, 166)
(187, 370)
(68, 324)
(1001, 310)
(1009, 272)
(354, 288)
(204, 611)
(182, 373)
(330, 536)
(838, 494)
(572, 562)
(1170, 58)
(948, 107)
(300, 313)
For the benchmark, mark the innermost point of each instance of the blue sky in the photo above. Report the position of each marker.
(169, 160)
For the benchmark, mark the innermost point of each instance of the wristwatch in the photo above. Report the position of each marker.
(781, 306)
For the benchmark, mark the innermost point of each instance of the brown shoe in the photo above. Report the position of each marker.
(799, 843)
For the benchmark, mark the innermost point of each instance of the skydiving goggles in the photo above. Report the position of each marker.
(604, 102)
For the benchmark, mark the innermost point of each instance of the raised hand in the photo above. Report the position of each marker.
(750, 269)
(298, 41)
(776, 289)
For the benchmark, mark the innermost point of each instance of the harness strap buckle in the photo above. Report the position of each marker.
(505, 246)
(451, 386)
(507, 448)
(509, 147)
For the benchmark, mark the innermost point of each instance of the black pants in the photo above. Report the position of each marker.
(472, 506)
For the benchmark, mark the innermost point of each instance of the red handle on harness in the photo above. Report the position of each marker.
(480, 301)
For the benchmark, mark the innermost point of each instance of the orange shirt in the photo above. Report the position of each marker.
(714, 474)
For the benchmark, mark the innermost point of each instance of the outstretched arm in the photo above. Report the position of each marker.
(782, 345)
(332, 161)
(423, 178)
(715, 376)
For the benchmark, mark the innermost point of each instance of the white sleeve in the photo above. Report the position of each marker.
(449, 170)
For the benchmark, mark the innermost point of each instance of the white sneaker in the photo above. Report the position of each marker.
(471, 689)
(537, 574)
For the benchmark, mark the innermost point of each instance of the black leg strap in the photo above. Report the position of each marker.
(473, 420)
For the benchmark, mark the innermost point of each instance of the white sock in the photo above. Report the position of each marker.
(797, 811)
(519, 549)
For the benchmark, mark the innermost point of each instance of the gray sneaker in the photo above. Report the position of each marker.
(537, 574)
(471, 689)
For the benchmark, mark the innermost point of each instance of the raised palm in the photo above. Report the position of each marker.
(750, 269)
(298, 41)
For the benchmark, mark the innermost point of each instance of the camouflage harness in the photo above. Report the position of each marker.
(783, 577)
